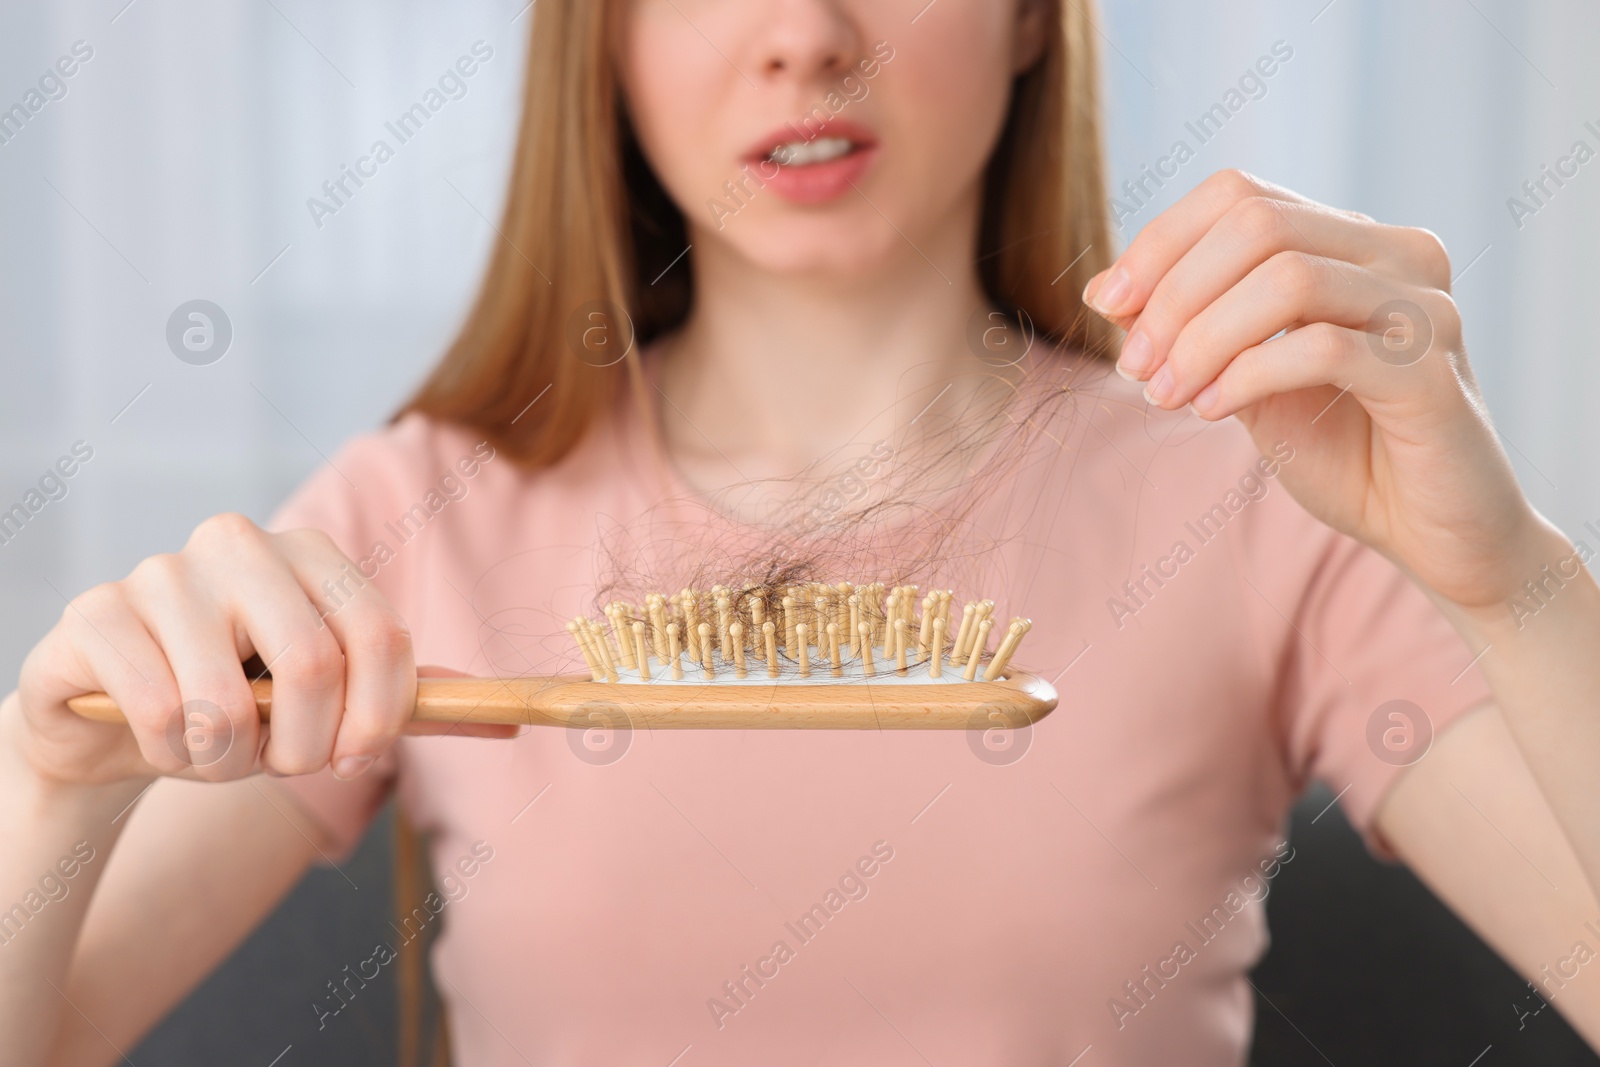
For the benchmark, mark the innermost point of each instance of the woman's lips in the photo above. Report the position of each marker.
(817, 183)
(813, 182)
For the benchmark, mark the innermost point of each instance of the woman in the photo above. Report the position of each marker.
(1323, 587)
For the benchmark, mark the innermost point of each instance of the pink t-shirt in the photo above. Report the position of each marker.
(807, 897)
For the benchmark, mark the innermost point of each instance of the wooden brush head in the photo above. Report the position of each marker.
(813, 633)
(811, 655)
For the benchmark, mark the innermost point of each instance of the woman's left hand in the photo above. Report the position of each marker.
(1246, 299)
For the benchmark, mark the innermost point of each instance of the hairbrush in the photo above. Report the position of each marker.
(801, 656)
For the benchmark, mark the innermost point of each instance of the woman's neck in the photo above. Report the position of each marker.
(773, 372)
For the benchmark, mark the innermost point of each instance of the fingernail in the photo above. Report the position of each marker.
(1088, 287)
(1206, 399)
(350, 767)
(1137, 356)
(1113, 291)
(1160, 387)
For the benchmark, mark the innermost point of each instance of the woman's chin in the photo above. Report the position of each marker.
(798, 248)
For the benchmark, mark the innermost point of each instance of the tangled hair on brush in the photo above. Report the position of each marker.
(933, 507)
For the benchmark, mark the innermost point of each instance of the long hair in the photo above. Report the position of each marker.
(587, 227)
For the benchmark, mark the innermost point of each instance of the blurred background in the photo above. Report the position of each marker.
(176, 162)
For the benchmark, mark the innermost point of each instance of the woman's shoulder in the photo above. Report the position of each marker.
(412, 447)
(417, 451)
(421, 462)
(383, 473)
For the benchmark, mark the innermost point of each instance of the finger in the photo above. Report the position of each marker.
(1320, 354)
(1128, 283)
(1249, 234)
(1121, 322)
(433, 670)
(380, 673)
(1291, 289)
(263, 598)
(214, 725)
(101, 645)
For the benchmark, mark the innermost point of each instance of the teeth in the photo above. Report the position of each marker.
(803, 153)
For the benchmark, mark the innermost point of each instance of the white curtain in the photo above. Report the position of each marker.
(179, 162)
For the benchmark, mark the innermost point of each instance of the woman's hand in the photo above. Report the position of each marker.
(167, 643)
(1245, 299)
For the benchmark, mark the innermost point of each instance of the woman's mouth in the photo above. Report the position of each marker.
(813, 165)
(807, 153)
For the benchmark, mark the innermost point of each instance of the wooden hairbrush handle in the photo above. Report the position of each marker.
(576, 701)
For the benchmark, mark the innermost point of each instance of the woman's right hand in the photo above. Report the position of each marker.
(168, 642)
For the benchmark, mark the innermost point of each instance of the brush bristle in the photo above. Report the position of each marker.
(813, 633)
